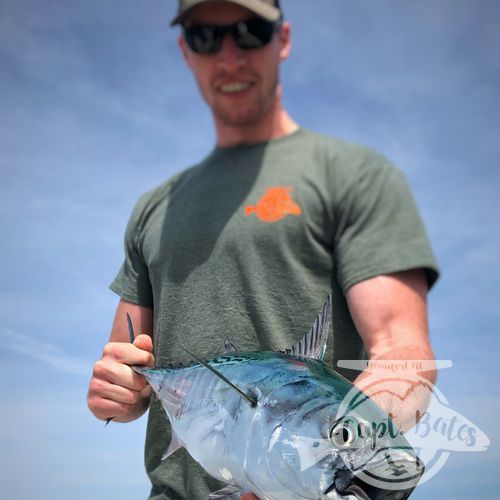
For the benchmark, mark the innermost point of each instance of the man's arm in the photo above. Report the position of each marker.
(115, 390)
(390, 314)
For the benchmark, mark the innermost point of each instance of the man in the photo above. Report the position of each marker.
(247, 244)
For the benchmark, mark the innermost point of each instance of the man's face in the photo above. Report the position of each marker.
(239, 85)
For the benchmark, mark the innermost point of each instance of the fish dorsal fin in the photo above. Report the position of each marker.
(229, 347)
(250, 399)
(175, 444)
(313, 343)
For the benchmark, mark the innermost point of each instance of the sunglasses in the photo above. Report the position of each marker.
(207, 39)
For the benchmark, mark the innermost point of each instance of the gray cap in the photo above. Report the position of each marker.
(267, 9)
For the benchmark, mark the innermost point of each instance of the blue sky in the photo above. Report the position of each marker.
(97, 107)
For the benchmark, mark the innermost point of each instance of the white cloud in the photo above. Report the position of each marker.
(52, 445)
(47, 353)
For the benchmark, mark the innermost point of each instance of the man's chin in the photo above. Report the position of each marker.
(238, 119)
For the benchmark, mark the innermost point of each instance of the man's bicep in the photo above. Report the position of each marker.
(390, 312)
(142, 320)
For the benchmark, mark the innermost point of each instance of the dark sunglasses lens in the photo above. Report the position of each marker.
(203, 39)
(206, 39)
(253, 34)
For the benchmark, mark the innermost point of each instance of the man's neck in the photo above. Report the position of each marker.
(277, 123)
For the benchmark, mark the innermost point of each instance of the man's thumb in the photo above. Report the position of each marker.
(144, 342)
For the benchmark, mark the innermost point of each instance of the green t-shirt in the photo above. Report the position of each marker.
(247, 245)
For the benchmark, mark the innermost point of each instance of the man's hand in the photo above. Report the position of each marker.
(398, 386)
(249, 496)
(115, 390)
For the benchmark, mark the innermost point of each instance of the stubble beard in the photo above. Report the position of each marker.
(250, 112)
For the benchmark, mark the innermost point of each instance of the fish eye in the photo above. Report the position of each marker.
(342, 434)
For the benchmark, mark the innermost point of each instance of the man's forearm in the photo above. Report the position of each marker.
(407, 353)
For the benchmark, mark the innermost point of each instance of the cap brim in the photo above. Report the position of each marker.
(267, 12)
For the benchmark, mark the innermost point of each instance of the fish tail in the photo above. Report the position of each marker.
(250, 209)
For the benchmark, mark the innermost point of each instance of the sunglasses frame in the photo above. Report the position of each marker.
(237, 30)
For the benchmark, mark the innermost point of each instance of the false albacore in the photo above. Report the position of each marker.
(269, 423)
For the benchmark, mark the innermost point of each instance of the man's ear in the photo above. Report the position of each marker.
(186, 52)
(285, 37)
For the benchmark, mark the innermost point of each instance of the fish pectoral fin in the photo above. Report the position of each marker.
(250, 399)
(229, 347)
(175, 444)
(313, 343)
(228, 493)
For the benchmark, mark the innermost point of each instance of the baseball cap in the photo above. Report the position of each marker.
(266, 9)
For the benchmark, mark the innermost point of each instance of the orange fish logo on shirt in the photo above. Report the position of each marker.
(275, 204)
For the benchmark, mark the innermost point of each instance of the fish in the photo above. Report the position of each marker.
(275, 204)
(268, 422)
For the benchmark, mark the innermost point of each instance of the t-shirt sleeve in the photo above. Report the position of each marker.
(132, 282)
(379, 229)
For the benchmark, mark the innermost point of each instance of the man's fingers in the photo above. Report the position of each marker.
(129, 354)
(115, 393)
(119, 374)
(110, 401)
(107, 408)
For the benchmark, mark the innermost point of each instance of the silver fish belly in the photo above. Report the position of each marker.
(284, 440)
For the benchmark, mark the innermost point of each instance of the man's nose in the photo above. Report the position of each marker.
(230, 56)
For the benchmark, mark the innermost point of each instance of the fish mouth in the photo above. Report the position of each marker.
(353, 490)
(393, 475)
